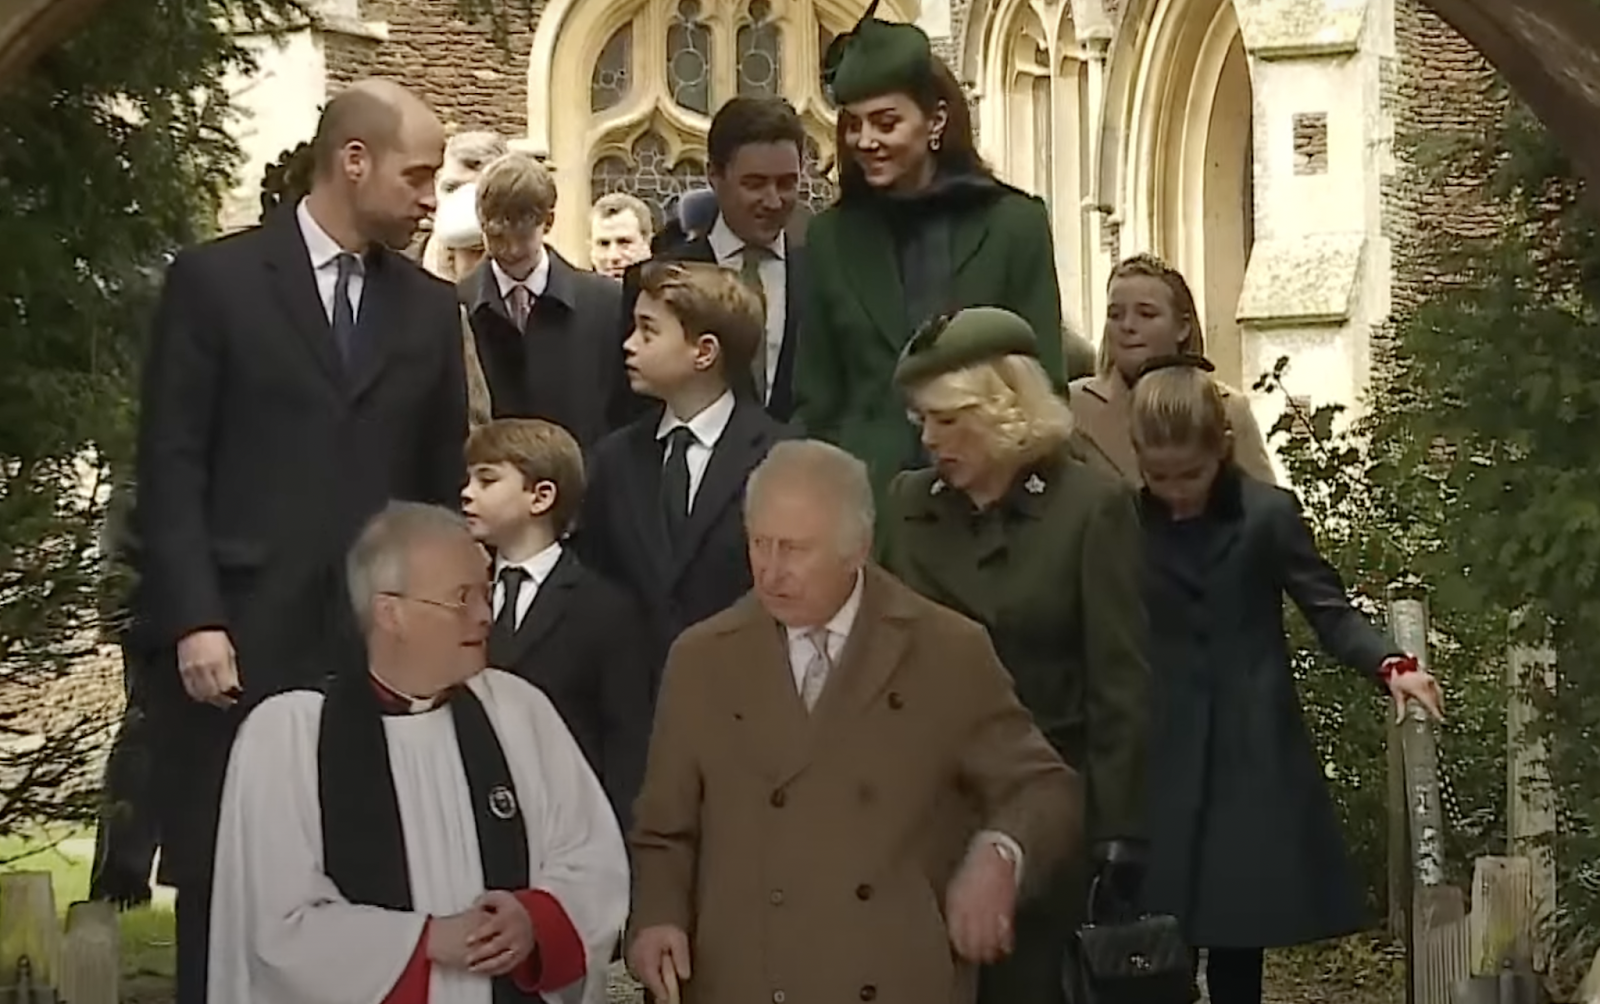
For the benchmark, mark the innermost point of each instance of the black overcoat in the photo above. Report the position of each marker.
(1245, 845)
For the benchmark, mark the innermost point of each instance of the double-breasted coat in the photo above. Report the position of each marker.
(1100, 406)
(1245, 846)
(1053, 572)
(807, 856)
(856, 319)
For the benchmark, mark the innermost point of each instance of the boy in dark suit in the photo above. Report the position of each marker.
(556, 623)
(663, 516)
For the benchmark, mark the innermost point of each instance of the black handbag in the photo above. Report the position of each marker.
(1125, 957)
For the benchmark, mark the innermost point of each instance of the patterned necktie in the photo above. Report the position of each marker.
(521, 305)
(344, 315)
(817, 668)
(750, 260)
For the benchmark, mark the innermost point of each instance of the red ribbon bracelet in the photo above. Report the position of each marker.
(1398, 665)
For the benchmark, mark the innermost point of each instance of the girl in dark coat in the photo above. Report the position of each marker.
(1245, 847)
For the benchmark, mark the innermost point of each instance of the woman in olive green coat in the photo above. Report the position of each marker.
(1012, 528)
(921, 228)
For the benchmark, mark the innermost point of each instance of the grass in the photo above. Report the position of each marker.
(147, 932)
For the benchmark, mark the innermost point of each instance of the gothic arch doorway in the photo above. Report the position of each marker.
(1178, 153)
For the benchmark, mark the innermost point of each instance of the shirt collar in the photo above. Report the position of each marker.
(841, 622)
(535, 283)
(322, 248)
(538, 567)
(725, 243)
(708, 426)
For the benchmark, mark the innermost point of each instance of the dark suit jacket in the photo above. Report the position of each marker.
(560, 368)
(260, 457)
(579, 644)
(623, 534)
(627, 405)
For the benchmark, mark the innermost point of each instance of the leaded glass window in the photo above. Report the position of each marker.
(608, 84)
(760, 52)
(651, 172)
(689, 58)
(816, 191)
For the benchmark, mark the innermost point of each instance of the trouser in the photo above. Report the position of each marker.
(193, 928)
(1233, 975)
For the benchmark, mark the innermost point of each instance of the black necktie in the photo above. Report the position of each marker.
(512, 578)
(675, 480)
(344, 315)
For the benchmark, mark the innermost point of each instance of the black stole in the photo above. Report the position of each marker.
(363, 844)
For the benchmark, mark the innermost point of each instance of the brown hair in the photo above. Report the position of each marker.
(1183, 305)
(540, 451)
(711, 300)
(958, 150)
(617, 203)
(515, 193)
(1179, 404)
(748, 119)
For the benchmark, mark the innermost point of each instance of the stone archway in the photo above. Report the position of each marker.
(1176, 157)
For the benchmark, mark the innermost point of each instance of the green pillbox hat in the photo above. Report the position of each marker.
(876, 57)
(971, 336)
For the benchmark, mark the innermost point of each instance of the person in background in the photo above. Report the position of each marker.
(1151, 314)
(754, 150)
(428, 832)
(456, 228)
(465, 156)
(620, 230)
(1245, 846)
(844, 799)
(541, 326)
(556, 623)
(1011, 528)
(662, 516)
(921, 228)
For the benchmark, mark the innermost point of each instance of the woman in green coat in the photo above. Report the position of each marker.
(1014, 529)
(921, 228)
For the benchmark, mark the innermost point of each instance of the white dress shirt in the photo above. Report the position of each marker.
(536, 283)
(324, 252)
(538, 568)
(729, 249)
(706, 427)
(839, 626)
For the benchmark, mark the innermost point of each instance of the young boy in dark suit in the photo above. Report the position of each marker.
(556, 623)
(663, 516)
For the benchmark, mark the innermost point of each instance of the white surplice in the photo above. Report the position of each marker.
(282, 934)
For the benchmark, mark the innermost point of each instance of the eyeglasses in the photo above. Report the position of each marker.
(460, 607)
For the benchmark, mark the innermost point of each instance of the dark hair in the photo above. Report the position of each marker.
(746, 120)
(958, 150)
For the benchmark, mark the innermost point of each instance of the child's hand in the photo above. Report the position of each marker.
(1409, 682)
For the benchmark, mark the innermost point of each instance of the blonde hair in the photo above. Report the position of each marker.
(1013, 397)
(708, 299)
(1179, 405)
(1183, 305)
(515, 193)
(540, 451)
(617, 203)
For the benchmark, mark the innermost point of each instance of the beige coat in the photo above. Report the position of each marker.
(1100, 407)
(808, 856)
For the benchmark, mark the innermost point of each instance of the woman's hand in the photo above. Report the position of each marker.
(1407, 681)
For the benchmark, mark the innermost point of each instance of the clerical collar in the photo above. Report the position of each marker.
(395, 702)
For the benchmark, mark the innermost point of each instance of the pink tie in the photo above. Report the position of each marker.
(521, 301)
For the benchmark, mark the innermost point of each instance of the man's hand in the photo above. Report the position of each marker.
(980, 905)
(209, 669)
(504, 936)
(448, 936)
(653, 951)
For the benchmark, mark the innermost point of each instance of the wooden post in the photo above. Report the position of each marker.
(28, 927)
(1408, 621)
(1530, 797)
(1399, 843)
(91, 954)
(1501, 921)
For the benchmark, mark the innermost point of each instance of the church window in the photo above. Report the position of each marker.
(689, 58)
(760, 58)
(608, 83)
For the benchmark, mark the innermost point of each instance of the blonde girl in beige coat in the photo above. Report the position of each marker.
(1150, 313)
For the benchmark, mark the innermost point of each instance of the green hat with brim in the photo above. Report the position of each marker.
(876, 57)
(969, 337)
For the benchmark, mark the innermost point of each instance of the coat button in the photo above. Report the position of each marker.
(896, 702)
(866, 794)
(869, 992)
(778, 997)
(778, 798)
(863, 892)
(776, 897)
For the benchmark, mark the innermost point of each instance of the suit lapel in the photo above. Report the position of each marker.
(1102, 418)
(873, 270)
(877, 643)
(380, 325)
(643, 497)
(968, 231)
(778, 402)
(553, 597)
(296, 286)
(769, 710)
(742, 444)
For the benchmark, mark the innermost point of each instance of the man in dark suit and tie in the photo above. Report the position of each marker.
(754, 148)
(542, 327)
(301, 374)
